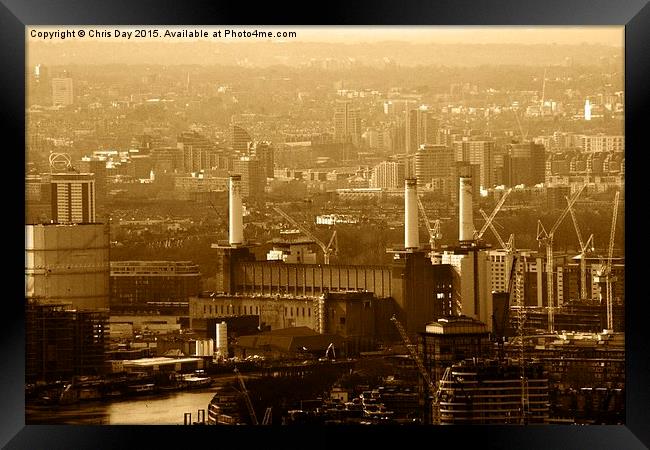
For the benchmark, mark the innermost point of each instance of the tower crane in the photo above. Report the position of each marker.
(547, 238)
(249, 404)
(488, 221)
(434, 232)
(584, 247)
(606, 269)
(332, 246)
(541, 104)
(434, 393)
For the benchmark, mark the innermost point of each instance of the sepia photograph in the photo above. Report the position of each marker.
(325, 225)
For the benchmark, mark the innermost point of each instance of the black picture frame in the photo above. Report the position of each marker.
(15, 15)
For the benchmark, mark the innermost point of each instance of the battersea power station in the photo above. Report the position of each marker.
(355, 302)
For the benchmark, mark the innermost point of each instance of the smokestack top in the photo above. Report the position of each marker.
(236, 177)
(410, 182)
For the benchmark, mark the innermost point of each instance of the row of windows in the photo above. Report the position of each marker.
(214, 309)
(289, 311)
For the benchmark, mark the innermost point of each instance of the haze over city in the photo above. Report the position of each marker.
(360, 225)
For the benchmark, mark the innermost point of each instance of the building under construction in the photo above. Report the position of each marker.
(477, 391)
(62, 342)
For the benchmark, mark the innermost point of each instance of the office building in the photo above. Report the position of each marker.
(62, 93)
(264, 152)
(450, 340)
(524, 164)
(239, 138)
(253, 177)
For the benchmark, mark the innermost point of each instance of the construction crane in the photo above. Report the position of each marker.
(488, 221)
(249, 404)
(332, 246)
(521, 130)
(268, 416)
(434, 232)
(605, 272)
(429, 384)
(507, 246)
(541, 103)
(547, 238)
(584, 247)
(327, 351)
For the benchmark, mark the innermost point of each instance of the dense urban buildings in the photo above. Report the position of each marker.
(368, 235)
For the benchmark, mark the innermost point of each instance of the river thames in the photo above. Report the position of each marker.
(161, 409)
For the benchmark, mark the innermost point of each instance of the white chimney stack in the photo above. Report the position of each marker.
(236, 219)
(465, 212)
(411, 236)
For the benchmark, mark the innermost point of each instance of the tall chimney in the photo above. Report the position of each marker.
(236, 219)
(411, 236)
(465, 213)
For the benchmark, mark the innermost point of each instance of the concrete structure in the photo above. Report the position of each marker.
(73, 197)
(67, 264)
(472, 284)
(411, 232)
(235, 212)
(221, 340)
(465, 210)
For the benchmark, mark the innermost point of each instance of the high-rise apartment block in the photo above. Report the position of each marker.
(480, 153)
(388, 175)
(347, 123)
(62, 94)
(421, 128)
(73, 197)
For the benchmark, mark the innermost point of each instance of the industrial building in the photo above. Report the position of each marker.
(418, 290)
(67, 264)
(140, 282)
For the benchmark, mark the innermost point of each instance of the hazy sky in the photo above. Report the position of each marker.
(613, 35)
